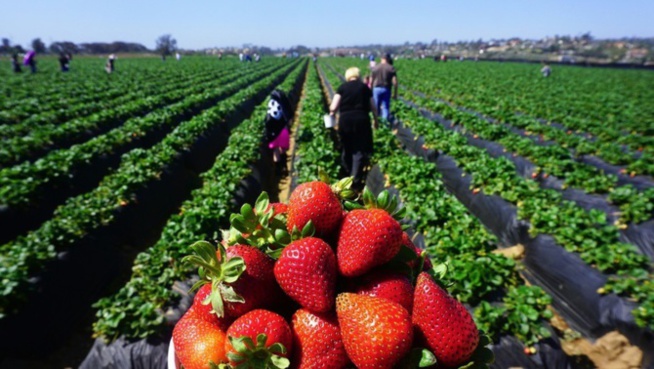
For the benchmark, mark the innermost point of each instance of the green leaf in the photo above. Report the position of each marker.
(239, 224)
(262, 203)
(439, 271)
(228, 294)
(277, 348)
(280, 362)
(427, 359)
(241, 344)
(405, 255)
(217, 301)
(308, 230)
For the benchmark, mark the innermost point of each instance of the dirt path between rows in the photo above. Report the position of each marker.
(284, 184)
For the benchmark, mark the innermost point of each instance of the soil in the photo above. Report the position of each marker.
(284, 184)
(611, 351)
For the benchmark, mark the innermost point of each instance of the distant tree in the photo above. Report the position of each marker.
(166, 44)
(64, 46)
(6, 45)
(586, 38)
(38, 45)
(300, 49)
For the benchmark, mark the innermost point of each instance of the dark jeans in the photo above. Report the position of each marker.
(355, 159)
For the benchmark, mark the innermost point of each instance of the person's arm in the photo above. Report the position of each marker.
(395, 87)
(373, 108)
(335, 103)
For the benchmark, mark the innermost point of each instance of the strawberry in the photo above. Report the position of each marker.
(406, 241)
(241, 277)
(198, 343)
(256, 285)
(202, 309)
(258, 336)
(317, 341)
(443, 324)
(392, 286)
(306, 271)
(376, 332)
(367, 238)
(279, 208)
(315, 202)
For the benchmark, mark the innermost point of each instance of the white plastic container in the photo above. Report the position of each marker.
(329, 121)
(172, 363)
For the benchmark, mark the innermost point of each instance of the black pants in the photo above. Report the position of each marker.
(355, 134)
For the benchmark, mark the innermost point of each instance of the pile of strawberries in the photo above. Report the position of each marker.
(313, 285)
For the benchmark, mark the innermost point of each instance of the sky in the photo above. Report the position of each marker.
(197, 24)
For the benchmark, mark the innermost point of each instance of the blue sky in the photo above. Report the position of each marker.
(285, 23)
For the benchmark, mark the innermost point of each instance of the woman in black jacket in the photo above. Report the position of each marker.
(354, 102)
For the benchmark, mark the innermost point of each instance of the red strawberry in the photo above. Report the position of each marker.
(406, 241)
(367, 238)
(392, 286)
(443, 324)
(253, 324)
(306, 271)
(204, 311)
(241, 277)
(377, 333)
(315, 202)
(198, 342)
(256, 285)
(317, 341)
(279, 208)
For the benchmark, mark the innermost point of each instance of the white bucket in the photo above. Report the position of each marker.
(329, 120)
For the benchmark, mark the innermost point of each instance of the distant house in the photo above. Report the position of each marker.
(567, 59)
(637, 53)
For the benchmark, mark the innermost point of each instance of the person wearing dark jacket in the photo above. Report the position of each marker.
(15, 63)
(63, 62)
(354, 102)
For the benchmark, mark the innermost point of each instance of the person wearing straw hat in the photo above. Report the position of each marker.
(353, 100)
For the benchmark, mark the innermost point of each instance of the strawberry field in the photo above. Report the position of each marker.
(531, 197)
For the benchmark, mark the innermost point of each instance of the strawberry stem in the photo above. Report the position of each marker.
(249, 355)
(217, 271)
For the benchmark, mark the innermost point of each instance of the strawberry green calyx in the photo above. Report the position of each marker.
(258, 226)
(385, 202)
(340, 188)
(220, 272)
(249, 355)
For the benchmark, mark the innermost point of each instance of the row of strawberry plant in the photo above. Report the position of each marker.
(59, 136)
(314, 146)
(556, 160)
(30, 95)
(23, 184)
(121, 92)
(455, 237)
(136, 310)
(578, 231)
(592, 98)
(80, 215)
(504, 106)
